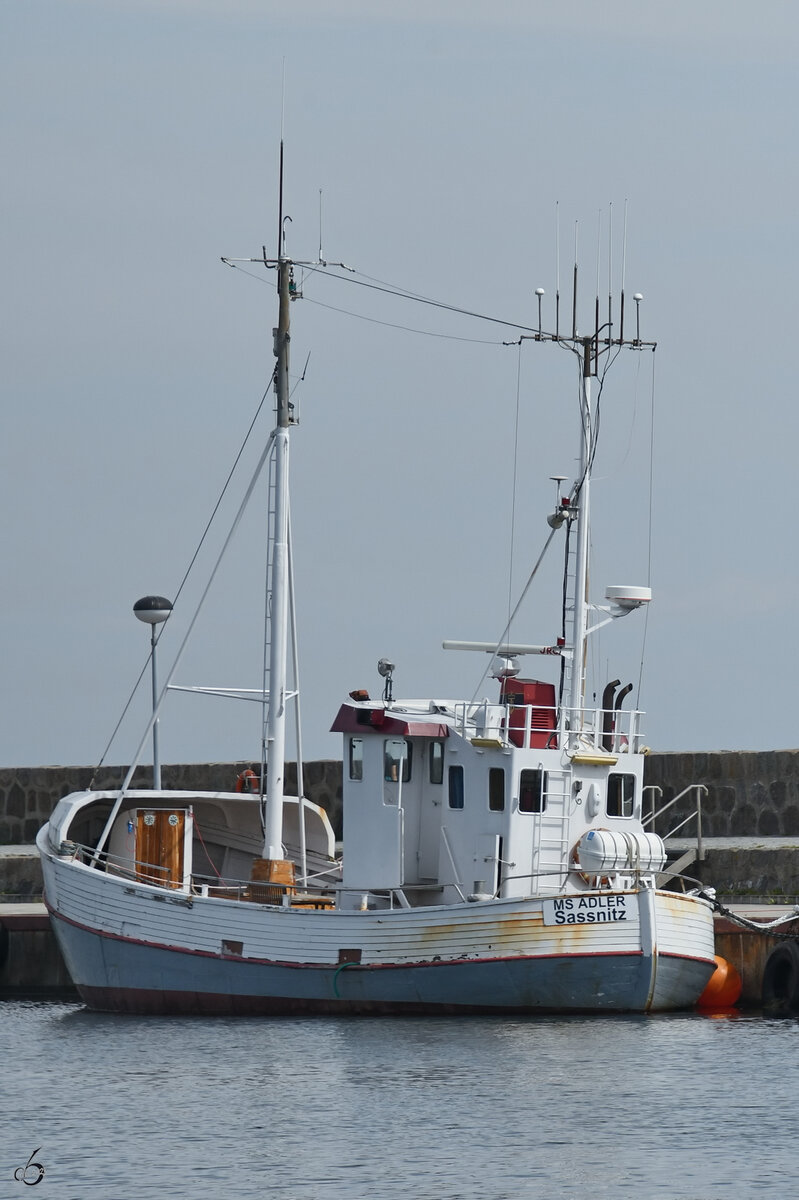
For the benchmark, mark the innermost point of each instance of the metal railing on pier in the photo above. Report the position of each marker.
(700, 789)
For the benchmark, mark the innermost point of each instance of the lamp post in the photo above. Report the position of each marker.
(154, 610)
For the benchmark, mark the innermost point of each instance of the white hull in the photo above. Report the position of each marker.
(136, 948)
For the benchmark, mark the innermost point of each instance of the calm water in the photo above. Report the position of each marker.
(657, 1107)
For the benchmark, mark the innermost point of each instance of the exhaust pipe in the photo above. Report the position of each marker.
(608, 711)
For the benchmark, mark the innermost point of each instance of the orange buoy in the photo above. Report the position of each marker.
(723, 988)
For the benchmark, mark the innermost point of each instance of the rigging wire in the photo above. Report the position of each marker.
(450, 337)
(631, 432)
(198, 831)
(649, 531)
(595, 644)
(186, 574)
(515, 473)
(123, 789)
(564, 600)
(390, 290)
(504, 633)
(591, 435)
(374, 284)
(365, 281)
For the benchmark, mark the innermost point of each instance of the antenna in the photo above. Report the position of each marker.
(557, 269)
(539, 293)
(637, 298)
(280, 243)
(591, 347)
(320, 225)
(623, 272)
(596, 302)
(558, 516)
(280, 246)
(574, 285)
(610, 273)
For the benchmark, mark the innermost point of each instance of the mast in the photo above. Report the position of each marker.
(279, 615)
(582, 500)
(575, 510)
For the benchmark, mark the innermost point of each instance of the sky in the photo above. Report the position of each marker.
(457, 150)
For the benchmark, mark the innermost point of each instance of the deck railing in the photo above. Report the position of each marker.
(609, 730)
(316, 888)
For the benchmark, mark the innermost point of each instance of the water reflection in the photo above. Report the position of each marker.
(670, 1106)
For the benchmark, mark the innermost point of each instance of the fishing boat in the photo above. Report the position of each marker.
(496, 858)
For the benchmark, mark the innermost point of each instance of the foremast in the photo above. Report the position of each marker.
(279, 592)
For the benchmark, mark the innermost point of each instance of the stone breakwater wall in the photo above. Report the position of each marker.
(749, 793)
(28, 795)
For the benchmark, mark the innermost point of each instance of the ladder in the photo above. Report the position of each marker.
(551, 848)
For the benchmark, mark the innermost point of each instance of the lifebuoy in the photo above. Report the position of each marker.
(593, 881)
(247, 781)
(780, 990)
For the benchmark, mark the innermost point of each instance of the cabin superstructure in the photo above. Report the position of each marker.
(468, 802)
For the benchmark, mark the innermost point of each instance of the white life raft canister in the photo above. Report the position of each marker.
(602, 851)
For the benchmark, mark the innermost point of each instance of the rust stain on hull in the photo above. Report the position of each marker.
(523, 935)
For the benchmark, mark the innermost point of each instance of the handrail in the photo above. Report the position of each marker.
(699, 788)
(125, 867)
(584, 723)
(130, 869)
(652, 787)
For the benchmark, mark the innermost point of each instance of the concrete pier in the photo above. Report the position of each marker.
(748, 951)
(31, 964)
(30, 961)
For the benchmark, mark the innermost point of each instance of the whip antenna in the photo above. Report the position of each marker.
(610, 273)
(280, 239)
(596, 301)
(623, 271)
(320, 225)
(574, 285)
(557, 269)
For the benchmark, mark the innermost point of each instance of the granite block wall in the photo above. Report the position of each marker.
(29, 794)
(749, 793)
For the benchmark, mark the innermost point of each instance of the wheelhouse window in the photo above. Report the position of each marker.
(436, 762)
(455, 780)
(397, 754)
(532, 791)
(621, 795)
(356, 758)
(496, 789)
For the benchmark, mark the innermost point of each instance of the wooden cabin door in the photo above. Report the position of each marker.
(159, 846)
